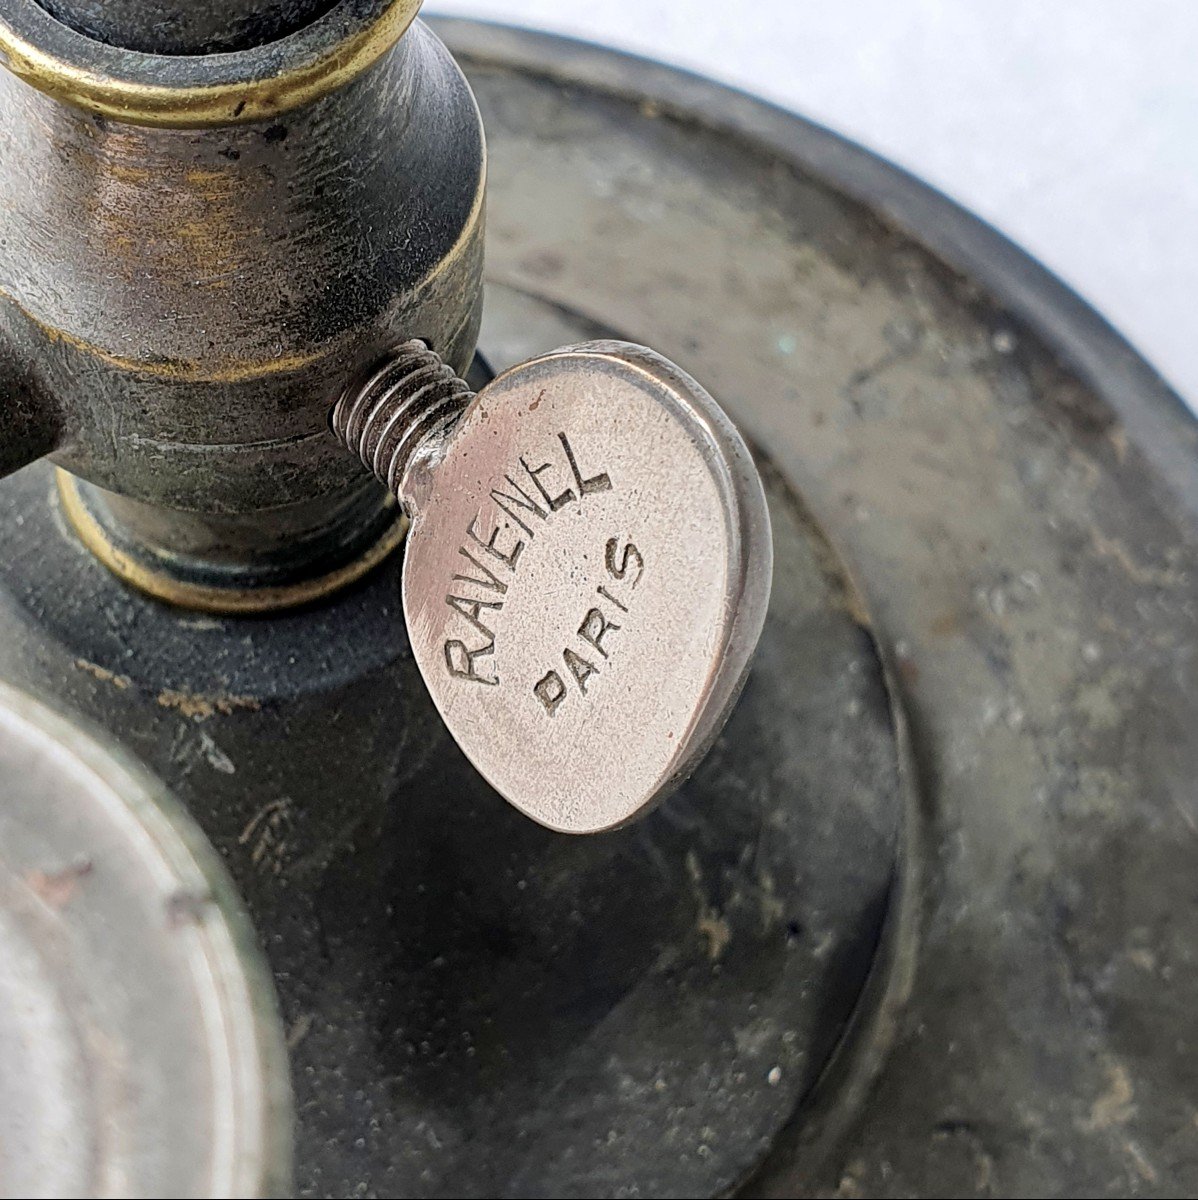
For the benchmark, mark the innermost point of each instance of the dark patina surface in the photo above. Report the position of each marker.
(1016, 493)
(478, 1007)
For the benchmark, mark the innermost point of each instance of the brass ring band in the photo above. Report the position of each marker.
(194, 91)
(212, 598)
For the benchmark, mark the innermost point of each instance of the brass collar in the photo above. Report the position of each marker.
(194, 91)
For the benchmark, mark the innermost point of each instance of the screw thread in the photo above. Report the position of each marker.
(410, 399)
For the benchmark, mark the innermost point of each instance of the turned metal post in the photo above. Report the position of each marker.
(197, 249)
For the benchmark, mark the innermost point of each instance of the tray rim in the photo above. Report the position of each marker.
(1083, 341)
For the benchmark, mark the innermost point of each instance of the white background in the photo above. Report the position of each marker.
(1072, 125)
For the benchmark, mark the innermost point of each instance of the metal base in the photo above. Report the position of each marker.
(479, 1007)
(205, 564)
(1018, 494)
(476, 1005)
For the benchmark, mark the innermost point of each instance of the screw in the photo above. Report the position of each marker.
(583, 665)
(405, 409)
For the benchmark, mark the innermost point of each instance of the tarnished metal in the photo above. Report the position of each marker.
(140, 1050)
(474, 1003)
(214, 27)
(366, 845)
(261, 80)
(30, 425)
(1017, 492)
(803, 974)
(587, 569)
(217, 564)
(191, 301)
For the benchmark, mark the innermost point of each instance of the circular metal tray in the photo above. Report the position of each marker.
(1015, 492)
(924, 922)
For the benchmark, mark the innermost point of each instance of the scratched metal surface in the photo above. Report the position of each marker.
(476, 1005)
(1014, 491)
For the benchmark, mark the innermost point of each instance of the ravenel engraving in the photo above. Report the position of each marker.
(516, 507)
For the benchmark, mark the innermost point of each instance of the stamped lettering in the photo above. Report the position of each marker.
(495, 540)
(597, 629)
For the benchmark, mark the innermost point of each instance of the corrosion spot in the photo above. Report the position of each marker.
(56, 888)
(200, 707)
(103, 674)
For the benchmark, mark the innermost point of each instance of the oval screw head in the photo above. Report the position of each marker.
(586, 578)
